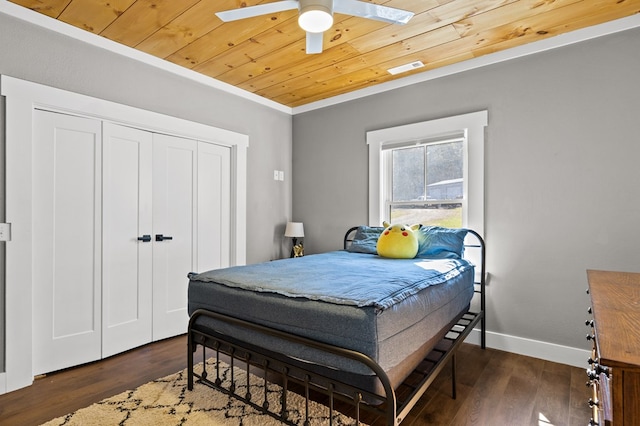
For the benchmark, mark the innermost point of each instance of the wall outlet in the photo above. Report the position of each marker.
(281, 175)
(5, 232)
(276, 175)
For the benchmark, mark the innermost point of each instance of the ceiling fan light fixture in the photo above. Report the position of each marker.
(316, 16)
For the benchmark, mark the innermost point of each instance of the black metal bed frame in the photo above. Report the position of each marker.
(272, 367)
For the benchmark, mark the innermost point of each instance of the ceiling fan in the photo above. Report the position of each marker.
(316, 16)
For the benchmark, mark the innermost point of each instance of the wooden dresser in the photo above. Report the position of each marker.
(614, 366)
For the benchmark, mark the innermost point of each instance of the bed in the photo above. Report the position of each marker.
(347, 324)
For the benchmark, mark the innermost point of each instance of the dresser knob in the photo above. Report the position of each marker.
(589, 310)
(592, 375)
(601, 369)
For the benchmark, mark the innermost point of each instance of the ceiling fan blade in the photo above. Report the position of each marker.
(260, 9)
(314, 42)
(372, 11)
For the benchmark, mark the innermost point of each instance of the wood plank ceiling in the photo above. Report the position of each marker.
(266, 55)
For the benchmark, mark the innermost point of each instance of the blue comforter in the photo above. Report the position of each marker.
(341, 277)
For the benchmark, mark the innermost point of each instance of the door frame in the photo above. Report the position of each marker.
(22, 98)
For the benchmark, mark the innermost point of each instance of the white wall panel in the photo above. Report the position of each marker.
(66, 229)
(213, 212)
(174, 215)
(127, 261)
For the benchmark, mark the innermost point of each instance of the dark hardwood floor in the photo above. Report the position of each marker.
(494, 388)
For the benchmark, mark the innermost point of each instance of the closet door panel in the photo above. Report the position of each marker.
(214, 201)
(66, 241)
(127, 258)
(174, 215)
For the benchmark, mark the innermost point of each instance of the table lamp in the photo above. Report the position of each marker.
(295, 230)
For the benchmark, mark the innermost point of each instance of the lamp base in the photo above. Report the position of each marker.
(297, 250)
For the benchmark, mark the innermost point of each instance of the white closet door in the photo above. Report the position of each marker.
(214, 201)
(174, 216)
(127, 235)
(66, 241)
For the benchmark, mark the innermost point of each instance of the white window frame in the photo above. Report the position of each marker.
(471, 125)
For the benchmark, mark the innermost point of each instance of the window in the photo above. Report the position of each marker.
(430, 172)
(423, 183)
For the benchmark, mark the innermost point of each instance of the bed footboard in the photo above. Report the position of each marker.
(274, 368)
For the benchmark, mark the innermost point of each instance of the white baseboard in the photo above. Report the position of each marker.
(3, 383)
(533, 348)
(519, 345)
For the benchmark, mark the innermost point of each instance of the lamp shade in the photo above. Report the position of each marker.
(316, 16)
(294, 230)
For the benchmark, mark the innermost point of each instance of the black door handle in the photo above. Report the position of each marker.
(160, 237)
(145, 238)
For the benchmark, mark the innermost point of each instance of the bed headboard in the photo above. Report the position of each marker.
(348, 237)
(473, 241)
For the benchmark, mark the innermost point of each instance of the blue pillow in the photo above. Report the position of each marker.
(365, 240)
(436, 242)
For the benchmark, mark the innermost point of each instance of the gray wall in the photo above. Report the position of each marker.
(35, 54)
(561, 167)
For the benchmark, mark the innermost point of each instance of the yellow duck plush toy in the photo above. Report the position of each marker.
(398, 241)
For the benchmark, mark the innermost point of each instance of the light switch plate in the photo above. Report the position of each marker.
(5, 232)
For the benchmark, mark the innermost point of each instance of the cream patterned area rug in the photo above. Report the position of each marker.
(166, 402)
